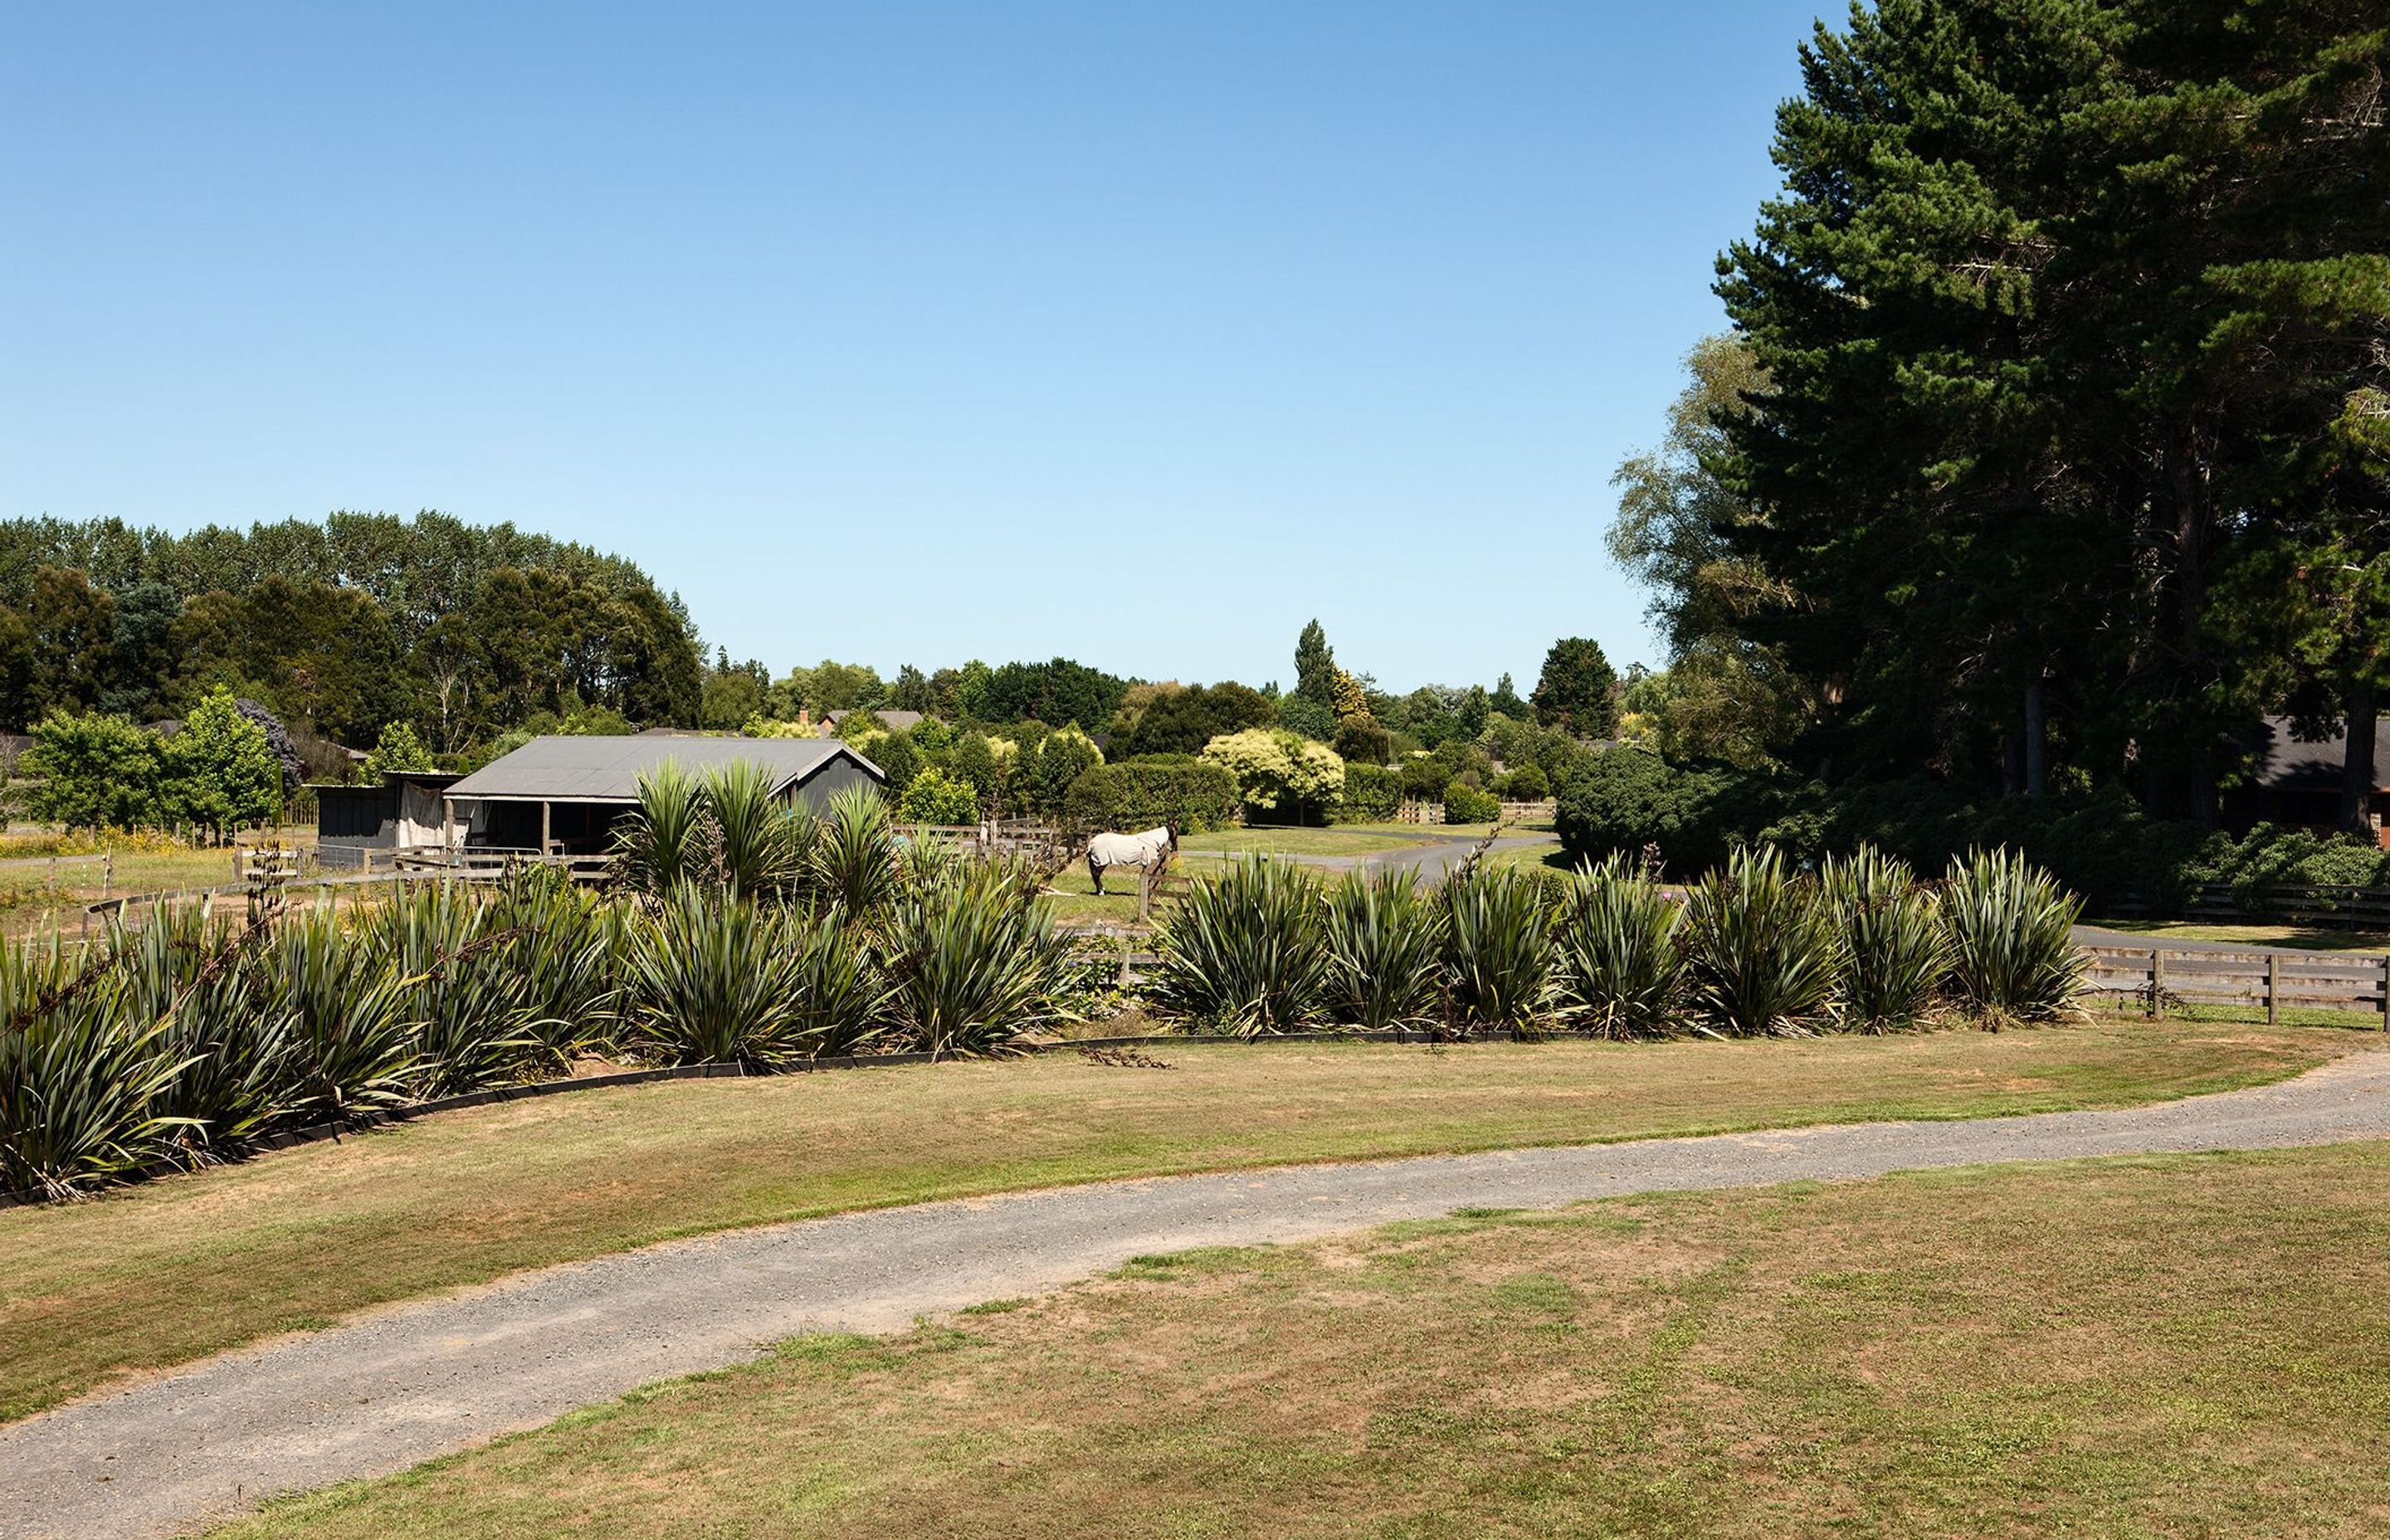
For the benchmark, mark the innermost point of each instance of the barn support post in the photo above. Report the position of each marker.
(2273, 989)
(546, 822)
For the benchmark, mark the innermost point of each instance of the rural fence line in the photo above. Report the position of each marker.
(2313, 901)
(1414, 811)
(2157, 976)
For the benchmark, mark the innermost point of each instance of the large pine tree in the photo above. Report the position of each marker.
(2064, 309)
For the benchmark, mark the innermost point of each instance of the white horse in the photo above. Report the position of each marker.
(1141, 851)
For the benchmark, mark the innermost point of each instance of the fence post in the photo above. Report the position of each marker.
(2157, 981)
(2273, 988)
(2386, 994)
(106, 871)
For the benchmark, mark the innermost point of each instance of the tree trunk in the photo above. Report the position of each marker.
(2036, 741)
(2185, 787)
(2357, 777)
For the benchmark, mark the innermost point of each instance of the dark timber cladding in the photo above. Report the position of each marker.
(563, 795)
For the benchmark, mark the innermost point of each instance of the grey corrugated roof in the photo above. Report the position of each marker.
(608, 769)
(895, 720)
(2283, 760)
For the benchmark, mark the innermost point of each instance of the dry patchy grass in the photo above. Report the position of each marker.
(2181, 1345)
(162, 1274)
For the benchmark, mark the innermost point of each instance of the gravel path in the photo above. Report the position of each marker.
(391, 1388)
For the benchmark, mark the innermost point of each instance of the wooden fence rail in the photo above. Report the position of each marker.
(2157, 976)
(2312, 902)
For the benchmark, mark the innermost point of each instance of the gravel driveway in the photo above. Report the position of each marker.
(387, 1390)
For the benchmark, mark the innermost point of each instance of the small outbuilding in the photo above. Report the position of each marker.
(355, 825)
(562, 796)
(2295, 781)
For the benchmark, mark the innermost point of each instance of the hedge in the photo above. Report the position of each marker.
(1373, 794)
(1150, 790)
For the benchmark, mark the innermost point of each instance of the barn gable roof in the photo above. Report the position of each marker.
(562, 769)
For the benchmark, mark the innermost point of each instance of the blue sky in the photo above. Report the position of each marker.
(1136, 333)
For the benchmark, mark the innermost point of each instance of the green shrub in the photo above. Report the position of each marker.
(1464, 803)
(1762, 947)
(471, 1005)
(94, 772)
(1373, 794)
(1627, 798)
(1243, 952)
(937, 798)
(853, 861)
(352, 1046)
(899, 758)
(668, 837)
(1526, 784)
(221, 770)
(1896, 952)
(1149, 791)
(1498, 950)
(398, 748)
(2012, 937)
(760, 842)
(217, 1019)
(1622, 972)
(1384, 940)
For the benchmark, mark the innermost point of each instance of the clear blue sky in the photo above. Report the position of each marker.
(1134, 332)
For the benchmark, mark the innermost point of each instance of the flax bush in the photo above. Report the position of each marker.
(1499, 952)
(1384, 942)
(973, 960)
(1763, 949)
(1896, 953)
(1245, 952)
(2011, 930)
(1622, 969)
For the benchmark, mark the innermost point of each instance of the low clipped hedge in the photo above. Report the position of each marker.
(1464, 803)
(1373, 794)
(1148, 790)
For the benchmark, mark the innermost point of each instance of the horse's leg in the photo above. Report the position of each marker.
(1095, 875)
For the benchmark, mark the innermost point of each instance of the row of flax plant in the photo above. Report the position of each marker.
(1756, 948)
(738, 931)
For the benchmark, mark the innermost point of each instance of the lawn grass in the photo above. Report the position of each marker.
(161, 1274)
(1072, 896)
(2167, 1345)
(2299, 937)
(37, 899)
(1300, 841)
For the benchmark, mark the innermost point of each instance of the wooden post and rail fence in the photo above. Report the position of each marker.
(2156, 977)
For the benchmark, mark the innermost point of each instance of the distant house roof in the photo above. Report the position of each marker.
(608, 769)
(895, 720)
(2285, 762)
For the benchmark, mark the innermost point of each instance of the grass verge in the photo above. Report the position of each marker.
(2174, 1345)
(1339, 840)
(2297, 938)
(159, 1275)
